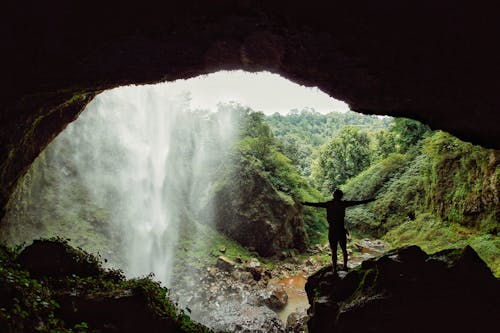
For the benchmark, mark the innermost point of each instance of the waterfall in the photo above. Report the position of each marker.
(144, 159)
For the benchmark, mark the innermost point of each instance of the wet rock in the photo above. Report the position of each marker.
(296, 322)
(268, 274)
(254, 267)
(310, 262)
(212, 271)
(276, 297)
(238, 317)
(242, 276)
(283, 255)
(406, 289)
(225, 264)
(253, 263)
(232, 301)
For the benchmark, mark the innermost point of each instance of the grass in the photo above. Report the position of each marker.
(433, 235)
(200, 245)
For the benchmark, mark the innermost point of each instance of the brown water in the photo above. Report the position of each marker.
(295, 285)
(297, 297)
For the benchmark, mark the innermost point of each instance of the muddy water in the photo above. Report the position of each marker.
(295, 285)
(297, 297)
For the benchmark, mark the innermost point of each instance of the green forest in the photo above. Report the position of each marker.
(431, 189)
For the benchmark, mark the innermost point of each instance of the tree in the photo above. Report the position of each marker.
(342, 158)
(408, 132)
(384, 145)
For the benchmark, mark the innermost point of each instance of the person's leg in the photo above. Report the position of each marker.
(343, 246)
(333, 247)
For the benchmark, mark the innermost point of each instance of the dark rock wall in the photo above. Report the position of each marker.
(407, 290)
(432, 61)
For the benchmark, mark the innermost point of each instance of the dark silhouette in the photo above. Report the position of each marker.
(335, 214)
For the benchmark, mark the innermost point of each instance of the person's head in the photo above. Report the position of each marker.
(337, 194)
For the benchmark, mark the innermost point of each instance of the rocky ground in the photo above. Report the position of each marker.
(252, 296)
(407, 290)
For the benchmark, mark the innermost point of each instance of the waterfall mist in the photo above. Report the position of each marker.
(139, 165)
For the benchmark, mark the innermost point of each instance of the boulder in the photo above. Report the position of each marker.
(126, 312)
(261, 219)
(276, 297)
(407, 290)
(55, 258)
(253, 263)
(296, 322)
(254, 267)
(245, 277)
(225, 264)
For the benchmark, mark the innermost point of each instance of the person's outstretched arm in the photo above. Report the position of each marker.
(315, 204)
(361, 202)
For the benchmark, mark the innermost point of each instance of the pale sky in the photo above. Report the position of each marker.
(262, 91)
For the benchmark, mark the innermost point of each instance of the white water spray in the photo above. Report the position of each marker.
(144, 158)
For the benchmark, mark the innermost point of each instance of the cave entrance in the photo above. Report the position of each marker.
(198, 160)
(133, 179)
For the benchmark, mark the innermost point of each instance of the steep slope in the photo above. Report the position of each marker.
(442, 193)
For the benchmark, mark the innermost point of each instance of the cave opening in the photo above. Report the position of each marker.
(127, 176)
(286, 153)
(134, 178)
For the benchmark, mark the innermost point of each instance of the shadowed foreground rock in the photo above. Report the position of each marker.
(407, 290)
(52, 287)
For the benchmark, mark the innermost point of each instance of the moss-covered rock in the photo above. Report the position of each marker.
(407, 290)
(251, 211)
(58, 288)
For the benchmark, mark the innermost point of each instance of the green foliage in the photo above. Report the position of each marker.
(428, 196)
(303, 132)
(384, 145)
(199, 245)
(29, 305)
(395, 183)
(342, 158)
(258, 152)
(454, 180)
(413, 172)
(461, 182)
(159, 304)
(39, 207)
(369, 182)
(433, 235)
(407, 133)
(26, 304)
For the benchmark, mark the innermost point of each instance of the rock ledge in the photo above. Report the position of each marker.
(407, 290)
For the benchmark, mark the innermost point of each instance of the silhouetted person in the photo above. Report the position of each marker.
(335, 213)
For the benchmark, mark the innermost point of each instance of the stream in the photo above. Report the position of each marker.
(294, 287)
(248, 297)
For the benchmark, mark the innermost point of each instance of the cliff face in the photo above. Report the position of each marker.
(431, 61)
(257, 217)
(407, 290)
